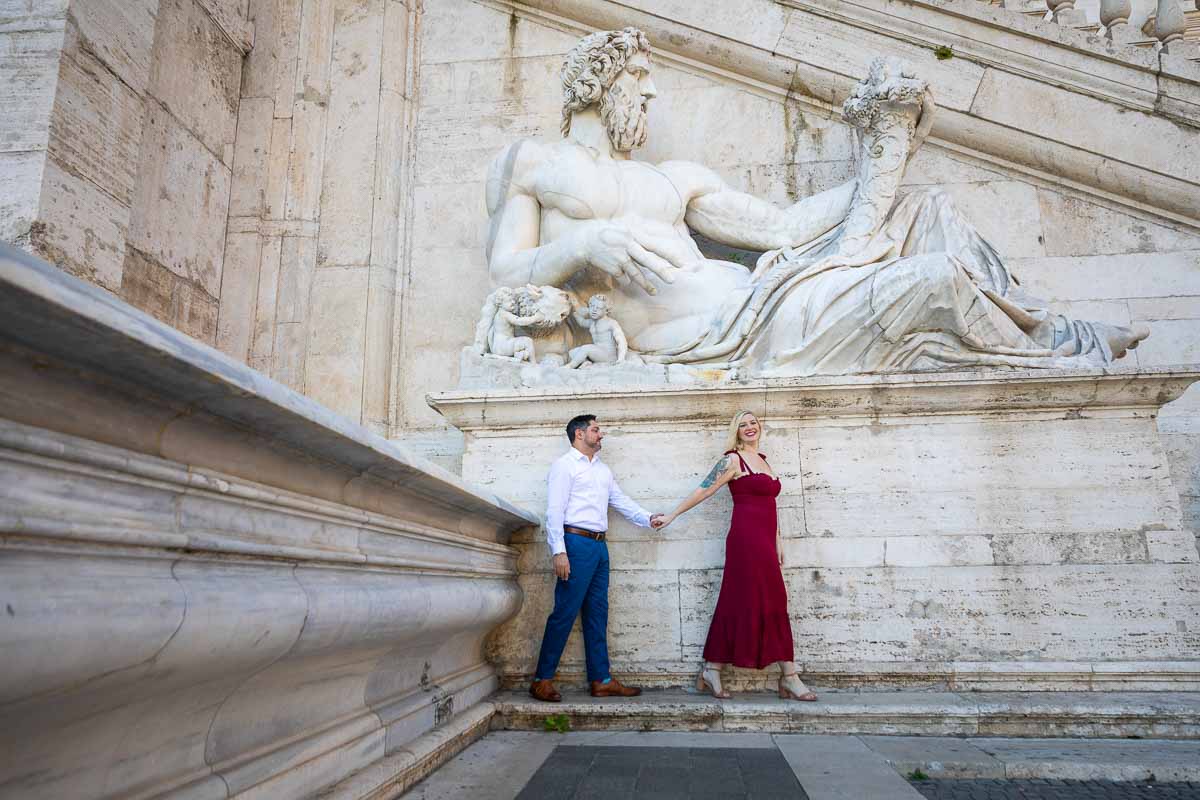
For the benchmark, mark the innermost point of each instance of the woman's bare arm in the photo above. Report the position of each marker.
(722, 472)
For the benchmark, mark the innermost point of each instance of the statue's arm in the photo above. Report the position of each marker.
(515, 256)
(515, 253)
(619, 338)
(735, 218)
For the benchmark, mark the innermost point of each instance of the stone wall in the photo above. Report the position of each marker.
(749, 87)
(122, 146)
(319, 182)
(971, 530)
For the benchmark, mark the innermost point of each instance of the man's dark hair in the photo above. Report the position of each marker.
(578, 424)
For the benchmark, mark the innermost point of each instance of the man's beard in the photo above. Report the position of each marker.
(624, 118)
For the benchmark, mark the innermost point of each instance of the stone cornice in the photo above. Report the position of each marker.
(858, 396)
(756, 48)
(219, 413)
(223, 516)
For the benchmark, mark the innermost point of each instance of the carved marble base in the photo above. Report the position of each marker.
(487, 372)
(992, 530)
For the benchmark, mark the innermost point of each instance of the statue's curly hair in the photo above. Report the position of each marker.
(593, 64)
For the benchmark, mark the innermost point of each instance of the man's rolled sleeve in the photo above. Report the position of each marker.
(558, 492)
(627, 508)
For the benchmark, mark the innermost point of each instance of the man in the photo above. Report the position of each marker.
(581, 488)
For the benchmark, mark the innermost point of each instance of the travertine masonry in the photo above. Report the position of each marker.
(1102, 227)
(319, 180)
(972, 530)
(118, 167)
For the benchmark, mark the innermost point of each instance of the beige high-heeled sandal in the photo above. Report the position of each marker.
(711, 684)
(787, 694)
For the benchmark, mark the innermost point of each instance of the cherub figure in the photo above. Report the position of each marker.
(608, 340)
(496, 332)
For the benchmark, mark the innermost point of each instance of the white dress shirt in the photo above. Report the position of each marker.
(580, 492)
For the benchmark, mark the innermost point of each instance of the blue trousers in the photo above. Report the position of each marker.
(586, 593)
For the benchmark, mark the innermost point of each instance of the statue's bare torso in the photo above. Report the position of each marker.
(574, 189)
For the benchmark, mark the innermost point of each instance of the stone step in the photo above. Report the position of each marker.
(1161, 715)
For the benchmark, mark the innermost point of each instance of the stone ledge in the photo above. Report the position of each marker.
(1047, 759)
(1167, 715)
(1075, 392)
(392, 776)
(75, 333)
(972, 677)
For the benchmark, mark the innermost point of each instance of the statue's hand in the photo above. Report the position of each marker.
(614, 249)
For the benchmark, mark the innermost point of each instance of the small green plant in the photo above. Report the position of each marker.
(917, 775)
(560, 723)
(943, 52)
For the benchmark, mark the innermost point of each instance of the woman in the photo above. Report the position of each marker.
(750, 627)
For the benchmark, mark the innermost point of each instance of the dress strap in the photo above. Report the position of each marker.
(745, 466)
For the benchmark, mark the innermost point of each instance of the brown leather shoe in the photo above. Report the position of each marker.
(614, 689)
(545, 691)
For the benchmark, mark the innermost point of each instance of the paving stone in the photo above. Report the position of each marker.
(1054, 789)
(700, 772)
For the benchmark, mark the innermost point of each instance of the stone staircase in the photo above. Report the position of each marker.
(1160, 715)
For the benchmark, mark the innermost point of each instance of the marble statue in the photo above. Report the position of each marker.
(609, 345)
(854, 279)
(540, 310)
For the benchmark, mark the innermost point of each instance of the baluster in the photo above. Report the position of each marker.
(1114, 16)
(1065, 13)
(1169, 23)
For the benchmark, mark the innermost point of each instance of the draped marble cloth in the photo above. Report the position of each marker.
(925, 292)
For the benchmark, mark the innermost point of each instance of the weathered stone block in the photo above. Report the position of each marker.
(96, 126)
(351, 139)
(182, 202)
(117, 33)
(1079, 120)
(239, 286)
(832, 47)
(20, 185)
(251, 155)
(187, 44)
(80, 228)
(336, 338)
(159, 292)
(29, 65)
(1075, 227)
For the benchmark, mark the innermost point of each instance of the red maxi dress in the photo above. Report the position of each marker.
(750, 627)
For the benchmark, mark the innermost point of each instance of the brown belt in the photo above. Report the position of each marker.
(599, 537)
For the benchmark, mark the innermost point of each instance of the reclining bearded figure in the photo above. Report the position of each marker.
(852, 280)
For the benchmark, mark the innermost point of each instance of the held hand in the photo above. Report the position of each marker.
(615, 250)
(562, 566)
(660, 521)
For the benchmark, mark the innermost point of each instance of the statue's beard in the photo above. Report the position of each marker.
(624, 118)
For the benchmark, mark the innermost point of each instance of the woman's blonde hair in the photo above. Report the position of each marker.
(731, 442)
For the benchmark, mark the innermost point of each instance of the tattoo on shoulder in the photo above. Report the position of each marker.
(716, 472)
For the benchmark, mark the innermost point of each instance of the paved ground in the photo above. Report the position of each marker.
(509, 764)
(1054, 790)
(664, 773)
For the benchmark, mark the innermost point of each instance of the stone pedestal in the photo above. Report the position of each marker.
(974, 530)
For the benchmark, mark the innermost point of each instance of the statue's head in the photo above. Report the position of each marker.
(598, 306)
(610, 69)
